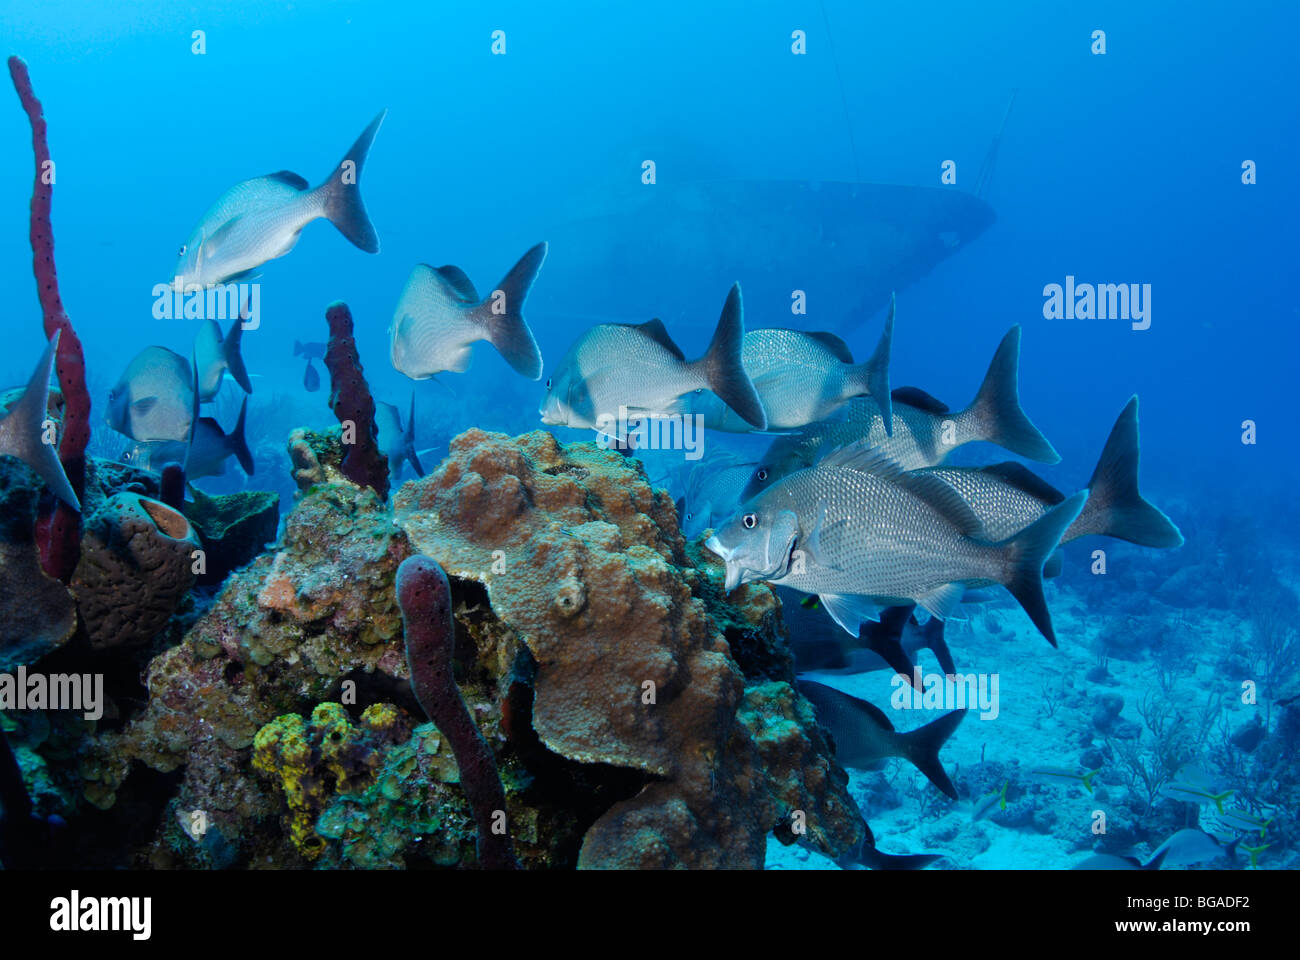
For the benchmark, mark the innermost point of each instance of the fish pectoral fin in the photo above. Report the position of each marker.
(944, 602)
(849, 611)
(814, 545)
(144, 405)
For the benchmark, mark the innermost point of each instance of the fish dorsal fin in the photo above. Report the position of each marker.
(862, 456)
(916, 397)
(939, 495)
(656, 331)
(877, 716)
(832, 343)
(1022, 478)
(290, 178)
(456, 279)
(946, 500)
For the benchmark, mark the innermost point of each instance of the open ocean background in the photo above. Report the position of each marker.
(1122, 168)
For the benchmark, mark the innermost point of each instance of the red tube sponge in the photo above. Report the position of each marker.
(425, 598)
(58, 534)
(352, 403)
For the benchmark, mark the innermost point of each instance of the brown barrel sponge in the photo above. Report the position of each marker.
(137, 564)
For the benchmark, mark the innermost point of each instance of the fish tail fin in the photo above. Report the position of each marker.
(502, 315)
(341, 192)
(1115, 506)
(1155, 862)
(932, 634)
(724, 373)
(22, 431)
(297, 348)
(873, 858)
(408, 441)
(1230, 850)
(995, 414)
(1086, 779)
(884, 640)
(872, 377)
(1028, 551)
(922, 745)
(238, 444)
(234, 358)
(1218, 799)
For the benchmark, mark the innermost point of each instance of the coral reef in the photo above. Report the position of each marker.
(634, 716)
(583, 559)
(37, 612)
(136, 567)
(234, 529)
(59, 531)
(316, 456)
(311, 762)
(424, 595)
(363, 462)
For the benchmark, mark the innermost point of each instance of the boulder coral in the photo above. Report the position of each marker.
(584, 560)
(637, 716)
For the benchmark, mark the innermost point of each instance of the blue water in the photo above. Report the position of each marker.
(1124, 167)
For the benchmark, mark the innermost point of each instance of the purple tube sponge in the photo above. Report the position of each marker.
(350, 399)
(425, 598)
(172, 487)
(58, 533)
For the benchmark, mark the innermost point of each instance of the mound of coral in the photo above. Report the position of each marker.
(638, 717)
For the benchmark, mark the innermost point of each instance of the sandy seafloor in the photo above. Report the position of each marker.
(1024, 734)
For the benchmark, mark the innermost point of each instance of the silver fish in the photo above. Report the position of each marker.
(1190, 846)
(713, 492)
(398, 444)
(216, 356)
(925, 431)
(862, 534)
(154, 399)
(1007, 497)
(804, 378)
(439, 317)
(261, 219)
(204, 455)
(864, 736)
(23, 431)
(638, 367)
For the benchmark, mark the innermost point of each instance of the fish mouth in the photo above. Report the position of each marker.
(735, 573)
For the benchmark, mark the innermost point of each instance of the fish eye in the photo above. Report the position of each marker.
(183, 249)
(762, 473)
(750, 520)
(690, 516)
(548, 383)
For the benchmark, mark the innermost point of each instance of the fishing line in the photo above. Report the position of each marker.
(844, 100)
